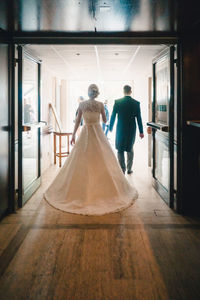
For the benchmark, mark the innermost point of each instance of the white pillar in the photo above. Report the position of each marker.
(63, 104)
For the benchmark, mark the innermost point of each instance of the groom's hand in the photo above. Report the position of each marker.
(141, 135)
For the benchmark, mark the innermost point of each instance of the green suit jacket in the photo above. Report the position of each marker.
(128, 110)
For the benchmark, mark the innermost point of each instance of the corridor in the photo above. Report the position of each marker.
(50, 52)
(135, 254)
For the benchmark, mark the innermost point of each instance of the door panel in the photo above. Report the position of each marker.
(4, 132)
(162, 163)
(163, 125)
(28, 125)
(162, 90)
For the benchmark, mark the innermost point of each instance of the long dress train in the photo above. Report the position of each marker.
(91, 181)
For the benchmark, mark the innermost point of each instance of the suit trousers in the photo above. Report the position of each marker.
(121, 160)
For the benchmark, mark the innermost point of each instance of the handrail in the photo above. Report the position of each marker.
(158, 126)
(58, 122)
(194, 123)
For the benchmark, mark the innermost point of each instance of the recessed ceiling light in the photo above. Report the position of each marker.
(104, 8)
(77, 54)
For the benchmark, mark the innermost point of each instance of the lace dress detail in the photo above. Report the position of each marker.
(91, 106)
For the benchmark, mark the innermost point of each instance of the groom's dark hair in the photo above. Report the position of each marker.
(127, 89)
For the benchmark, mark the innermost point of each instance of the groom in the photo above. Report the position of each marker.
(127, 110)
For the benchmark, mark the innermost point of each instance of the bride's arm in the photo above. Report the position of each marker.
(77, 123)
(103, 114)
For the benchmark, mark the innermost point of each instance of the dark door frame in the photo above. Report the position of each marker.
(52, 37)
(145, 38)
(11, 188)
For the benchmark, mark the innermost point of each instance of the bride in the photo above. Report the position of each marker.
(91, 181)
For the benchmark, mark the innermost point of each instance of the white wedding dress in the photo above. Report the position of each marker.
(91, 181)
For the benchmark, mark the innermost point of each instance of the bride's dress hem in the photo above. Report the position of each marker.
(128, 205)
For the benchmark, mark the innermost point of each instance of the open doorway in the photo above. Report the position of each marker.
(67, 71)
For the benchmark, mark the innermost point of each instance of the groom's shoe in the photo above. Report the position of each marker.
(129, 171)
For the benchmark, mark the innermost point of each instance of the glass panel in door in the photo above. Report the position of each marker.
(162, 160)
(30, 117)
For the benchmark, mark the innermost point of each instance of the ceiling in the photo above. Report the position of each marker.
(102, 62)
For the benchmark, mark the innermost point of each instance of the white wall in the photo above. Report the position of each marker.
(64, 105)
(109, 90)
(50, 85)
(64, 95)
(141, 93)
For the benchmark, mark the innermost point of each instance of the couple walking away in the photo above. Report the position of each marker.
(91, 182)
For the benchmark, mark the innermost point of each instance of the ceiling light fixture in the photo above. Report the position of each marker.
(104, 8)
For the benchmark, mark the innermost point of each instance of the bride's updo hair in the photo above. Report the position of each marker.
(93, 91)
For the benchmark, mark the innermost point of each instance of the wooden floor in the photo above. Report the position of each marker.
(145, 252)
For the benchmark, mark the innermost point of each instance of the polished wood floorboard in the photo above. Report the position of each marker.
(146, 252)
